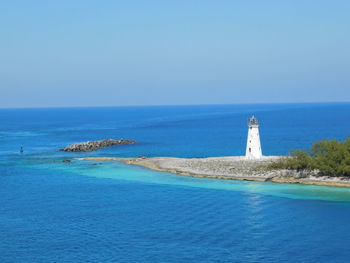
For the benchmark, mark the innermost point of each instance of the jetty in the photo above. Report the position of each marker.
(231, 168)
(94, 145)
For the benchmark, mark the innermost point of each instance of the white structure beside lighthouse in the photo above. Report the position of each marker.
(253, 150)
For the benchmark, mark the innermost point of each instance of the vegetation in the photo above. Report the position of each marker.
(328, 157)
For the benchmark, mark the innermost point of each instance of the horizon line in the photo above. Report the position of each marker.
(173, 105)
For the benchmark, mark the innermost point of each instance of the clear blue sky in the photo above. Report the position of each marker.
(111, 53)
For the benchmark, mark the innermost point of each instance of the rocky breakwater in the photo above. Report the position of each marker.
(234, 168)
(94, 145)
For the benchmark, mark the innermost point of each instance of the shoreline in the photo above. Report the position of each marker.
(229, 168)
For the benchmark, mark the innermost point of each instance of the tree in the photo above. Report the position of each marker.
(328, 157)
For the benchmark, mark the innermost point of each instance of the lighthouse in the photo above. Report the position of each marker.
(253, 150)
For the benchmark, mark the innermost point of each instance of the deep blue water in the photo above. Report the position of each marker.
(110, 212)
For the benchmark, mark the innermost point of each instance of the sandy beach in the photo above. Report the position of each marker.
(230, 168)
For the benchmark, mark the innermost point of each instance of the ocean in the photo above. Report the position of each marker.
(87, 211)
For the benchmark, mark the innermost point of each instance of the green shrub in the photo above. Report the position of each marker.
(329, 157)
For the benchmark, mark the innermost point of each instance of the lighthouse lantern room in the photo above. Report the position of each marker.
(253, 150)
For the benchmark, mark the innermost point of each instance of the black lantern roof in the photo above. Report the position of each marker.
(253, 121)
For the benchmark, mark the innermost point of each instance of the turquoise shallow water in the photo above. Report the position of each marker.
(111, 212)
(120, 171)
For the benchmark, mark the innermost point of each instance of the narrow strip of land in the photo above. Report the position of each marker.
(234, 168)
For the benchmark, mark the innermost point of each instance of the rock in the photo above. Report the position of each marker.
(94, 145)
(95, 164)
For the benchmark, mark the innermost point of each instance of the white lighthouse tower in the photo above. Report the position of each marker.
(253, 150)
